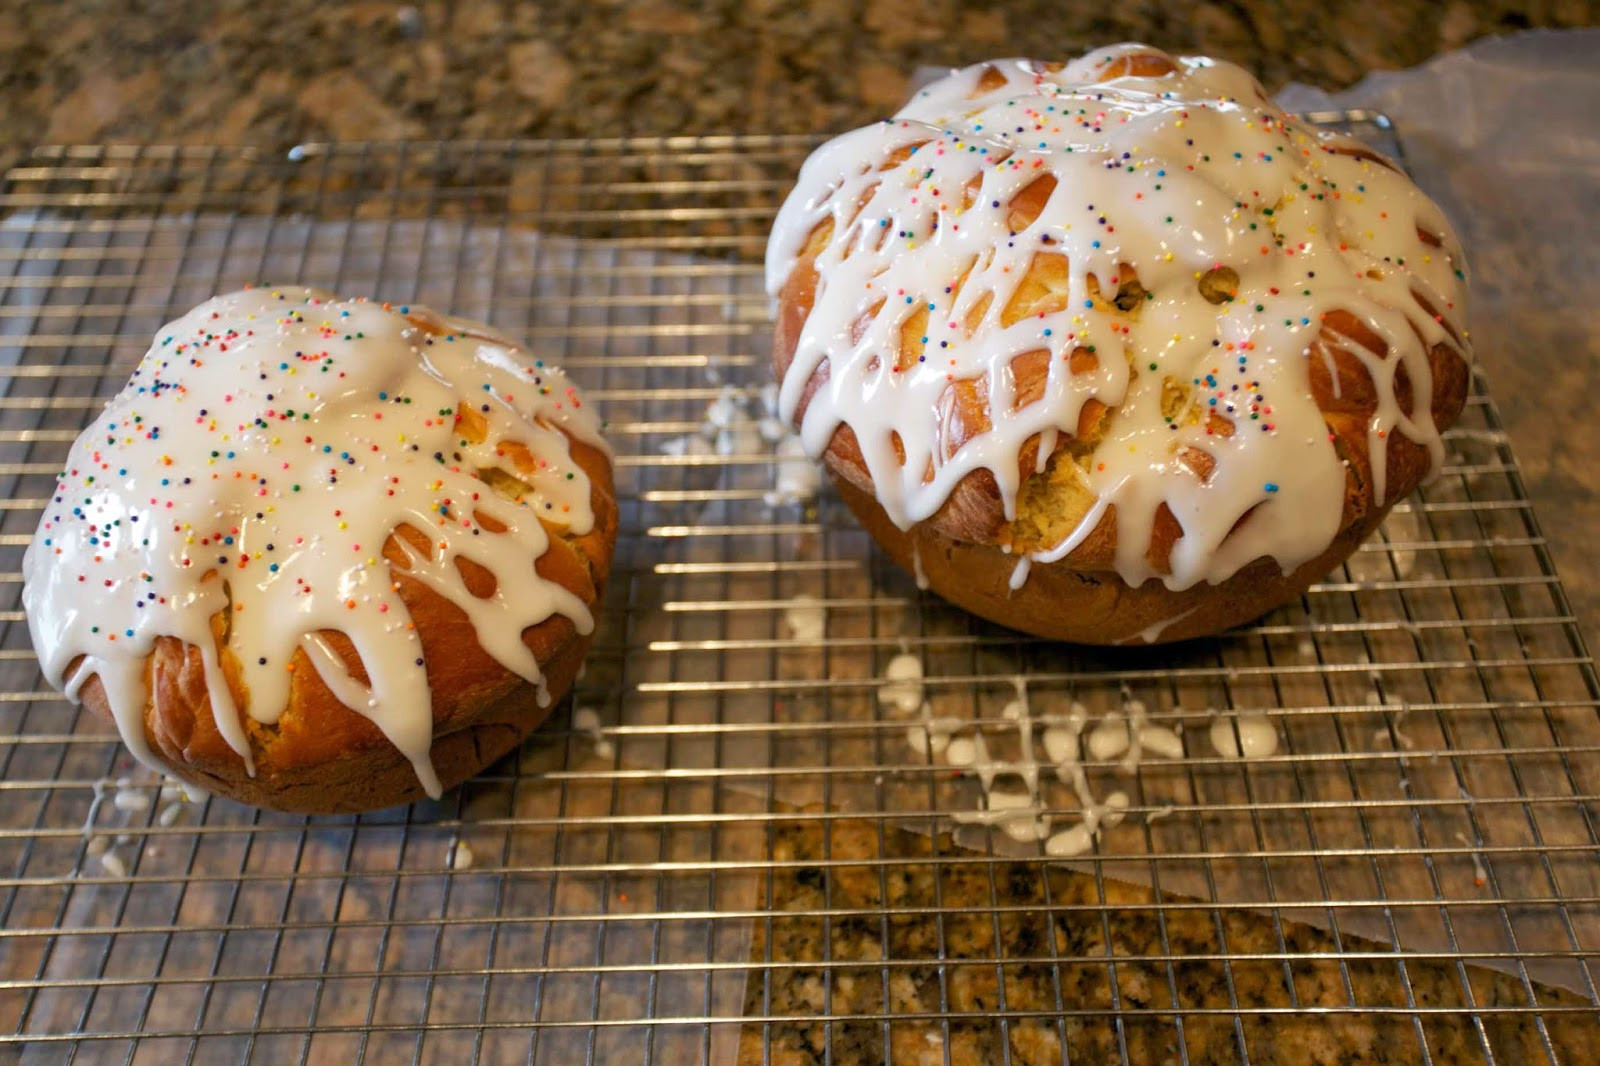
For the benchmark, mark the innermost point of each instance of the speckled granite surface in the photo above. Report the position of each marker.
(230, 72)
(943, 909)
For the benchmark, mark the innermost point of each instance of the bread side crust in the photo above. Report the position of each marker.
(323, 757)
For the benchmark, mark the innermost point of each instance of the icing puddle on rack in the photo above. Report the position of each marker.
(1012, 789)
(742, 424)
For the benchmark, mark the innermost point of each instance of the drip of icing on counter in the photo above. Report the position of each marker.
(1012, 798)
(1022, 814)
(1180, 177)
(259, 458)
(741, 423)
(902, 695)
(1129, 737)
(902, 688)
(1248, 736)
(586, 720)
(806, 618)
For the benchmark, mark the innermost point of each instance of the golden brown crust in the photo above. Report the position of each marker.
(365, 774)
(1081, 598)
(321, 756)
(1062, 602)
(1053, 500)
(974, 510)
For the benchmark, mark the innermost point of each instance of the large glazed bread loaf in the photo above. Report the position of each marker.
(1115, 349)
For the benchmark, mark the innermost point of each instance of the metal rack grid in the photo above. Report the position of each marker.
(748, 861)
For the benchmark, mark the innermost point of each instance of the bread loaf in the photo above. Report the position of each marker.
(1115, 349)
(325, 555)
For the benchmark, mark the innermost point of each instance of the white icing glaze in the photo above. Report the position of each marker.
(1152, 633)
(727, 411)
(1174, 176)
(1142, 735)
(728, 425)
(1023, 814)
(767, 396)
(931, 734)
(972, 753)
(739, 441)
(805, 618)
(266, 447)
(1405, 527)
(1019, 573)
(1109, 739)
(1399, 740)
(1081, 837)
(1249, 736)
(1162, 741)
(586, 720)
(1019, 814)
(916, 566)
(128, 799)
(690, 444)
(1480, 875)
(796, 479)
(1012, 799)
(733, 427)
(902, 688)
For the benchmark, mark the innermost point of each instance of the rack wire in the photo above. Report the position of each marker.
(746, 860)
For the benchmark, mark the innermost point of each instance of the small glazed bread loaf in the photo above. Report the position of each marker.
(1116, 349)
(325, 555)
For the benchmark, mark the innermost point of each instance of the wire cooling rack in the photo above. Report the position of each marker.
(725, 848)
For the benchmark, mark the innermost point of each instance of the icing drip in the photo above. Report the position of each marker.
(1023, 814)
(1012, 798)
(902, 689)
(806, 619)
(1248, 736)
(902, 695)
(916, 566)
(1152, 633)
(586, 720)
(1081, 837)
(254, 466)
(796, 479)
(741, 424)
(1181, 178)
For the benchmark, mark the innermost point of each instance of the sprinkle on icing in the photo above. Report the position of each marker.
(1183, 177)
(258, 459)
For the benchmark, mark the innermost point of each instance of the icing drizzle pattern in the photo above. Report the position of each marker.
(1172, 176)
(258, 459)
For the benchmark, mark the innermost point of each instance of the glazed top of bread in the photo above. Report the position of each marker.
(255, 469)
(1123, 312)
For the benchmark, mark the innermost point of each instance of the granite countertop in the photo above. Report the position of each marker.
(87, 71)
(93, 71)
(942, 910)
